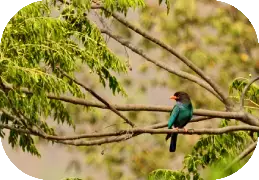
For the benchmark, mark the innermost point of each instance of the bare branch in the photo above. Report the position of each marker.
(198, 119)
(242, 116)
(242, 99)
(94, 135)
(127, 107)
(169, 49)
(242, 155)
(172, 51)
(135, 131)
(179, 73)
(123, 135)
(107, 140)
(149, 129)
(98, 97)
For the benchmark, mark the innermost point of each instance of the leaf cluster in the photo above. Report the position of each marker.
(210, 152)
(37, 43)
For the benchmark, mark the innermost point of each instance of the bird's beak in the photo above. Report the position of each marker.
(173, 97)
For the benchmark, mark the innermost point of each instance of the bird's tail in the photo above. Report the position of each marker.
(173, 142)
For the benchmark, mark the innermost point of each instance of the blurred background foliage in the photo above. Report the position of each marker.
(218, 38)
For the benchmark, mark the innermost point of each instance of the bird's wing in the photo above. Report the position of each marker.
(173, 116)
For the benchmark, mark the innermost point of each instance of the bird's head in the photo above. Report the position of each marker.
(181, 97)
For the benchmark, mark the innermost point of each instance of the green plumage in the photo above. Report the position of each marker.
(180, 115)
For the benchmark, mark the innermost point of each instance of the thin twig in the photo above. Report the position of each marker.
(202, 118)
(172, 51)
(244, 92)
(98, 97)
(169, 49)
(179, 73)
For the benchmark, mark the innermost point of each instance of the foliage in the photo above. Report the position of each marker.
(210, 153)
(51, 34)
(121, 6)
(237, 86)
(213, 35)
(33, 45)
(217, 173)
(72, 179)
(213, 43)
(161, 174)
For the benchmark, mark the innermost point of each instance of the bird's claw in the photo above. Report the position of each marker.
(177, 129)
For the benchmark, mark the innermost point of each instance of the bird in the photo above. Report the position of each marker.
(180, 115)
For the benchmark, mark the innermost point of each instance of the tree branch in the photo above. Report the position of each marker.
(179, 73)
(127, 107)
(98, 97)
(134, 132)
(242, 155)
(242, 116)
(169, 49)
(149, 129)
(122, 135)
(242, 99)
(189, 63)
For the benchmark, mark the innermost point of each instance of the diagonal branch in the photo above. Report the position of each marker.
(242, 155)
(98, 97)
(242, 99)
(172, 51)
(179, 73)
(214, 86)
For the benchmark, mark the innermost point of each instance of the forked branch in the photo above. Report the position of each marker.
(179, 73)
(242, 99)
(189, 63)
(98, 97)
(153, 129)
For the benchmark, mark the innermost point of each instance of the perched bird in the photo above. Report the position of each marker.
(180, 115)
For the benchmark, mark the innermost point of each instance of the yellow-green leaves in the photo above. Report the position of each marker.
(122, 5)
(164, 174)
(36, 41)
(182, 6)
(251, 97)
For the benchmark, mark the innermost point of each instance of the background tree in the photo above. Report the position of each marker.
(55, 61)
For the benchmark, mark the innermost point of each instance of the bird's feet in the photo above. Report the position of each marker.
(177, 129)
